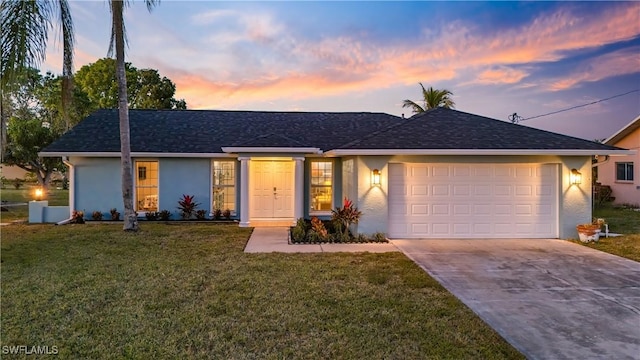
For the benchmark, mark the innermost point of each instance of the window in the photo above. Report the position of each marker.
(224, 185)
(320, 191)
(624, 171)
(147, 186)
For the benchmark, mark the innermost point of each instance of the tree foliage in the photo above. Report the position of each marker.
(431, 99)
(35, 119)
(145, 88)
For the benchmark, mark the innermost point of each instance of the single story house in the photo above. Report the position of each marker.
(440, 174)
(622, 173)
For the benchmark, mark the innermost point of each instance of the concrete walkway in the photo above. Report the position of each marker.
(551, 299)
(275, 239)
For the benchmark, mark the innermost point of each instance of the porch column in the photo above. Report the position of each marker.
(244, 191)
(298, 206)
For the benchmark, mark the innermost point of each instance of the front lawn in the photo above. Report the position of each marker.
(623, 221)
(188, 291)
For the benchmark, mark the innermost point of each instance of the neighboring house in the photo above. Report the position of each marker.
(11, 172)
(442, 173)
(622, 173)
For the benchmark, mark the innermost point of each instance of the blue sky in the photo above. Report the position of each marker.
(497, 58)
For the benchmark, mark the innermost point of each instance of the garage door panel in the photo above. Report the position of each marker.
(473, 201)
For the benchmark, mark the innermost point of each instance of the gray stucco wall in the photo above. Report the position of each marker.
(177, 177)
(97, 185)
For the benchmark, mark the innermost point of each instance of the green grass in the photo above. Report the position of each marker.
(188, 291)
(622, 221)
(24, 195)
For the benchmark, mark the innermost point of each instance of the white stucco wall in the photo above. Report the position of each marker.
(574, 204)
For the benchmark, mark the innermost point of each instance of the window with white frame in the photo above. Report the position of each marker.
(321, 187)
(624, 171)
(146, 176)
(224, 185)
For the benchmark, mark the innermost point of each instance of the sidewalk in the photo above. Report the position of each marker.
(274, 239)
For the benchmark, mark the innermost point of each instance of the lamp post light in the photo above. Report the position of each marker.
(38, 194)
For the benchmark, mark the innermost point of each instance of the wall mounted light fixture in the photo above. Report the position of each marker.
(575, 177)
(375, 177)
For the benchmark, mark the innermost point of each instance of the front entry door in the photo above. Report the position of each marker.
(271, 189)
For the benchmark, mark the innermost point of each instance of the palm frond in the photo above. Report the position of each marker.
(24, 34)
(415, 107)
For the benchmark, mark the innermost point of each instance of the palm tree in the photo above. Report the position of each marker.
(118, 42)
(432, 98)
(25, 29)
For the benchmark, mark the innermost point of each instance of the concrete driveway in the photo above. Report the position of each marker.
(551, 299)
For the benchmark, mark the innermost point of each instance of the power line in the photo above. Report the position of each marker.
(515, 118)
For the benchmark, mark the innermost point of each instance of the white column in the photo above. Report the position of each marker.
(244, 191)
(298, 206)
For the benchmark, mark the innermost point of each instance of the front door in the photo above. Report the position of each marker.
(271, 186)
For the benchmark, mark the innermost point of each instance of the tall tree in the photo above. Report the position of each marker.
(24, 29)
(145, 88)
(431, 98)
(34, 108)
(118, 42)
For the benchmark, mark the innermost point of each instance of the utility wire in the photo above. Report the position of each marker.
(515, 118)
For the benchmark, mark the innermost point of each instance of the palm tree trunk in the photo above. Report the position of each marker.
(130, 217)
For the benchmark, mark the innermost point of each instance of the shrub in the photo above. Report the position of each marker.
(217, 214)
(379, 237)
(77, 217)
(345, 216)
(152, 215)
(96, 215)
(115, 215)
(227, 214)
(318, 227)
(201, 214)
(299, 232)
(17, 183)
(187, 206)
(164, 215)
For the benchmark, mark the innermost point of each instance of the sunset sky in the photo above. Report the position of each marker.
(497, 58)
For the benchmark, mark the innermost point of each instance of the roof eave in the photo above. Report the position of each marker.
(133, 154)
(626, 130)
(255, 149)
(567, 152)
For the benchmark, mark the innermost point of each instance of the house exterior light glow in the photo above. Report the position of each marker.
(375, 177)
(575, 177)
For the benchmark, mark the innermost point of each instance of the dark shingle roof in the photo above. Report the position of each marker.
(207, 131)
(442, 128)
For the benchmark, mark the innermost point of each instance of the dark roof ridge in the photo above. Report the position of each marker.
(402, 121)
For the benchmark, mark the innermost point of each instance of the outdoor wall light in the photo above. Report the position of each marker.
(575, 177)
(375, 177)
(38, 194)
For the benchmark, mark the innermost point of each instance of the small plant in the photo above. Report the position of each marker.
(345, 216)
(152, 215)
(187, 206)
(318, 227)
(164, 215)
(217, 214)
(299, 232)
(227, 214)
(96, 215)
(17, 183)
(77, 217)
(115, 215)
(379, 237)
(201, 214)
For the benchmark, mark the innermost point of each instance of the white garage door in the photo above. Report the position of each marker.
(473, 201)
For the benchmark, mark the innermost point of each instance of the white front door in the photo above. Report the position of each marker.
(272, 189)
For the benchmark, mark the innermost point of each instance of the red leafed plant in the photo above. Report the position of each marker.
(345, 216)
(318, 227)
(187, 206)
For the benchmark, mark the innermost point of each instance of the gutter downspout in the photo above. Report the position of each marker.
(72, 192)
